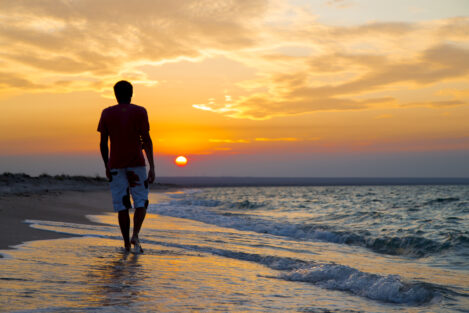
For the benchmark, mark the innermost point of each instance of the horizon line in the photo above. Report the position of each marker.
(252, 181)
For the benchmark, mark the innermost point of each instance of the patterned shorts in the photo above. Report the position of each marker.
(129, 181)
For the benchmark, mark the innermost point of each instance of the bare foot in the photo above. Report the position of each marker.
(136, 243)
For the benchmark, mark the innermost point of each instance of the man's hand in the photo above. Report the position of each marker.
(108, 173)
(148, 148)
(151, 175)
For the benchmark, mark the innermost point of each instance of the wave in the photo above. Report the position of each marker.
(390, 288)
(246, 205)
(442, 200)
(408, 245)
(413, 246)
(384, 288)
(209, 203)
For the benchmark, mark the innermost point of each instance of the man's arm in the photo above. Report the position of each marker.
(148, 148)
(103, 145)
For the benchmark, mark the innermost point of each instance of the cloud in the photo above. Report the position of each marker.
(301, 65)
(229, 140)
(261, 108)
(278, 139)
(346, 81)
(383, 116)
(259, 139)
(340, 62)
(49, 41)
(455, 93)
(374, 28)
(434, 65)
(436, 104)
(339, 3)
(456, 28)
(12, 80)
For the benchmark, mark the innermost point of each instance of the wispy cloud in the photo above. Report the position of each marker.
(339, 3)
(436, 104)
(301, 65)
(229, 140)
(383, 116)
(352, 64)
(261, 139)
(278, 139)
(51, 41)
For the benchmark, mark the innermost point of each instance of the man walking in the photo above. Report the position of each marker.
(127, 126)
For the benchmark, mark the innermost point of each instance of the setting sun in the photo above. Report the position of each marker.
(181, 161)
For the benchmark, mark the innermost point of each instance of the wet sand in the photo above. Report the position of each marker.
(64, 206)
(50, 198)
(191, 265)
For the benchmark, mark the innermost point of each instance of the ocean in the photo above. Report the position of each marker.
(257, 249)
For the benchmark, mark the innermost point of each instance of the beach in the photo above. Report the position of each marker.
(281, 156)
(65, 206)
(59, 198)
(236, 249)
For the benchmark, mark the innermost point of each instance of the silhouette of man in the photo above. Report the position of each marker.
(127, 126)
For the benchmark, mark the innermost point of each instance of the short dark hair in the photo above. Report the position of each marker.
(123, 91)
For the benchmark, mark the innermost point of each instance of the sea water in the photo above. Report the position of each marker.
(258, 249)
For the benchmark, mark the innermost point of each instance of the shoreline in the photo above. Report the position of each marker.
(64, 206)
(69, 199)
(70, 206)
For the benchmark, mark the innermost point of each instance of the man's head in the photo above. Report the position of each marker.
(123, 91)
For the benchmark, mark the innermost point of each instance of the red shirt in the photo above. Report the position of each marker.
(125, 123)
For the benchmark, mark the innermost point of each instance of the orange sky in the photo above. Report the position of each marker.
(247, 78)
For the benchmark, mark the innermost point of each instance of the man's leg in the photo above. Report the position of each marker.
(121, 202)
(139, 216)
(124, 223)
(139, 189)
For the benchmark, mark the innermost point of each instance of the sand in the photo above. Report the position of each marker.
(65, 206)
(59, 198)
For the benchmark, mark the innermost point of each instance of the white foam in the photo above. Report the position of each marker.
(382, 288)
(197, 210)
(211, 212)
(331, 276)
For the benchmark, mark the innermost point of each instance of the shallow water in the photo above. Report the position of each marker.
(285, 249)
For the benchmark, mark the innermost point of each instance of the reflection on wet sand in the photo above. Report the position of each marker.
(191, 266)
(118, 281)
